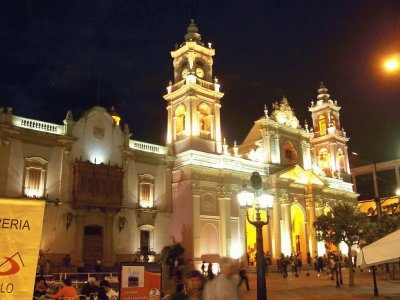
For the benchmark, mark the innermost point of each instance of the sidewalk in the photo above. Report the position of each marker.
(322, 287)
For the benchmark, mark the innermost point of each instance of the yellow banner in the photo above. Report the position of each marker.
(20, 233)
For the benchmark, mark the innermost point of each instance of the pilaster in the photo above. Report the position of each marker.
(108, 249)
(196, 221)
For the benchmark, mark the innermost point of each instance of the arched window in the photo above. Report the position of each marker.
(146, 191)
(322, 124)
(204, 119)
(333, 121)
(340, 159)
(180, 119)
(35, 177)
(323, 159)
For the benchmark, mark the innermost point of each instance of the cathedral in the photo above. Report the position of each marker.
(110, 197)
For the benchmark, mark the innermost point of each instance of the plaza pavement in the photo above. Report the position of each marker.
(322, 287)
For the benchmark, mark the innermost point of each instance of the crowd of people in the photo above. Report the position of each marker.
(192, 284)
(206, 284)
(90, 290)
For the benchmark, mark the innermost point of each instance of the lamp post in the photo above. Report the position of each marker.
(259, 200)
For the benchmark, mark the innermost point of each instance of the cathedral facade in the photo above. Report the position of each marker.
(110, 197)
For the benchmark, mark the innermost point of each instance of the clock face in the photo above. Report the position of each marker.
(200, 72)
(184, 73)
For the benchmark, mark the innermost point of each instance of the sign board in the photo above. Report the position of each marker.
(140, 281)
(21, 224)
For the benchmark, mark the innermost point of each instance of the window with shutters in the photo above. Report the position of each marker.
(146, 191)
(35, 177)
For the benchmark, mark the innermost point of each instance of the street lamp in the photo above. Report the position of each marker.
(259, 200)
(392, 64)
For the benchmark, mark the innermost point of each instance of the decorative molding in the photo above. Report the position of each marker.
(196, 189)
(224, 192)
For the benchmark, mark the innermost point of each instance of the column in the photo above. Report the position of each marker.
(225, 225)
(242, 231)
(311, 219)
(287, 225)
(276, 221)
(108, 243)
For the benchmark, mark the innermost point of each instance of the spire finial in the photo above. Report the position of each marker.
(192, 34)
(265, 111)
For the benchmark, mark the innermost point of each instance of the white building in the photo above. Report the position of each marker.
(109, 195)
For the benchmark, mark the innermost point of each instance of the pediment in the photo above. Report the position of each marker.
(298, 175)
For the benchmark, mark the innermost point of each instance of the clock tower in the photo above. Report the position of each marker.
(194, 97)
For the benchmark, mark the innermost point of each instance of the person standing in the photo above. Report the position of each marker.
(222, 287)
(210, 273)
(203, 268)
(309, 258)
(243, 277)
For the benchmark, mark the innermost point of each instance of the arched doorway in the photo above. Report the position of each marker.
(251, 237)
(92, 245)
(299, 239)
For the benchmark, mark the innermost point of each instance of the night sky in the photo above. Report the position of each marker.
(54, 54)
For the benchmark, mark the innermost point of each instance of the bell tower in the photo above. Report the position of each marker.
(329, 141)
(194, 97)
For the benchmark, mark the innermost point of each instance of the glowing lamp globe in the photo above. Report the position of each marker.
(245, 197)
(265, 200)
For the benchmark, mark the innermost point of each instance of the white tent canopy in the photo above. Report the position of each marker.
(384, 250)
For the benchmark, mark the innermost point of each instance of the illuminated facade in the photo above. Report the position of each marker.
(110, 196)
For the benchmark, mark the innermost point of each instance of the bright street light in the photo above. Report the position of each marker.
(259, 200)
(392, 64)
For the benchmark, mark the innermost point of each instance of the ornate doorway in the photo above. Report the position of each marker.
(92, 245)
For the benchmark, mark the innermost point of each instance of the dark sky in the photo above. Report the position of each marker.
(53, 52)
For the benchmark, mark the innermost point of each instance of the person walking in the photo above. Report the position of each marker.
(222, 287)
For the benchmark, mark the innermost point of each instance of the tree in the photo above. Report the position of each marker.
(344, 223)
(381, 227)
(170, 254)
